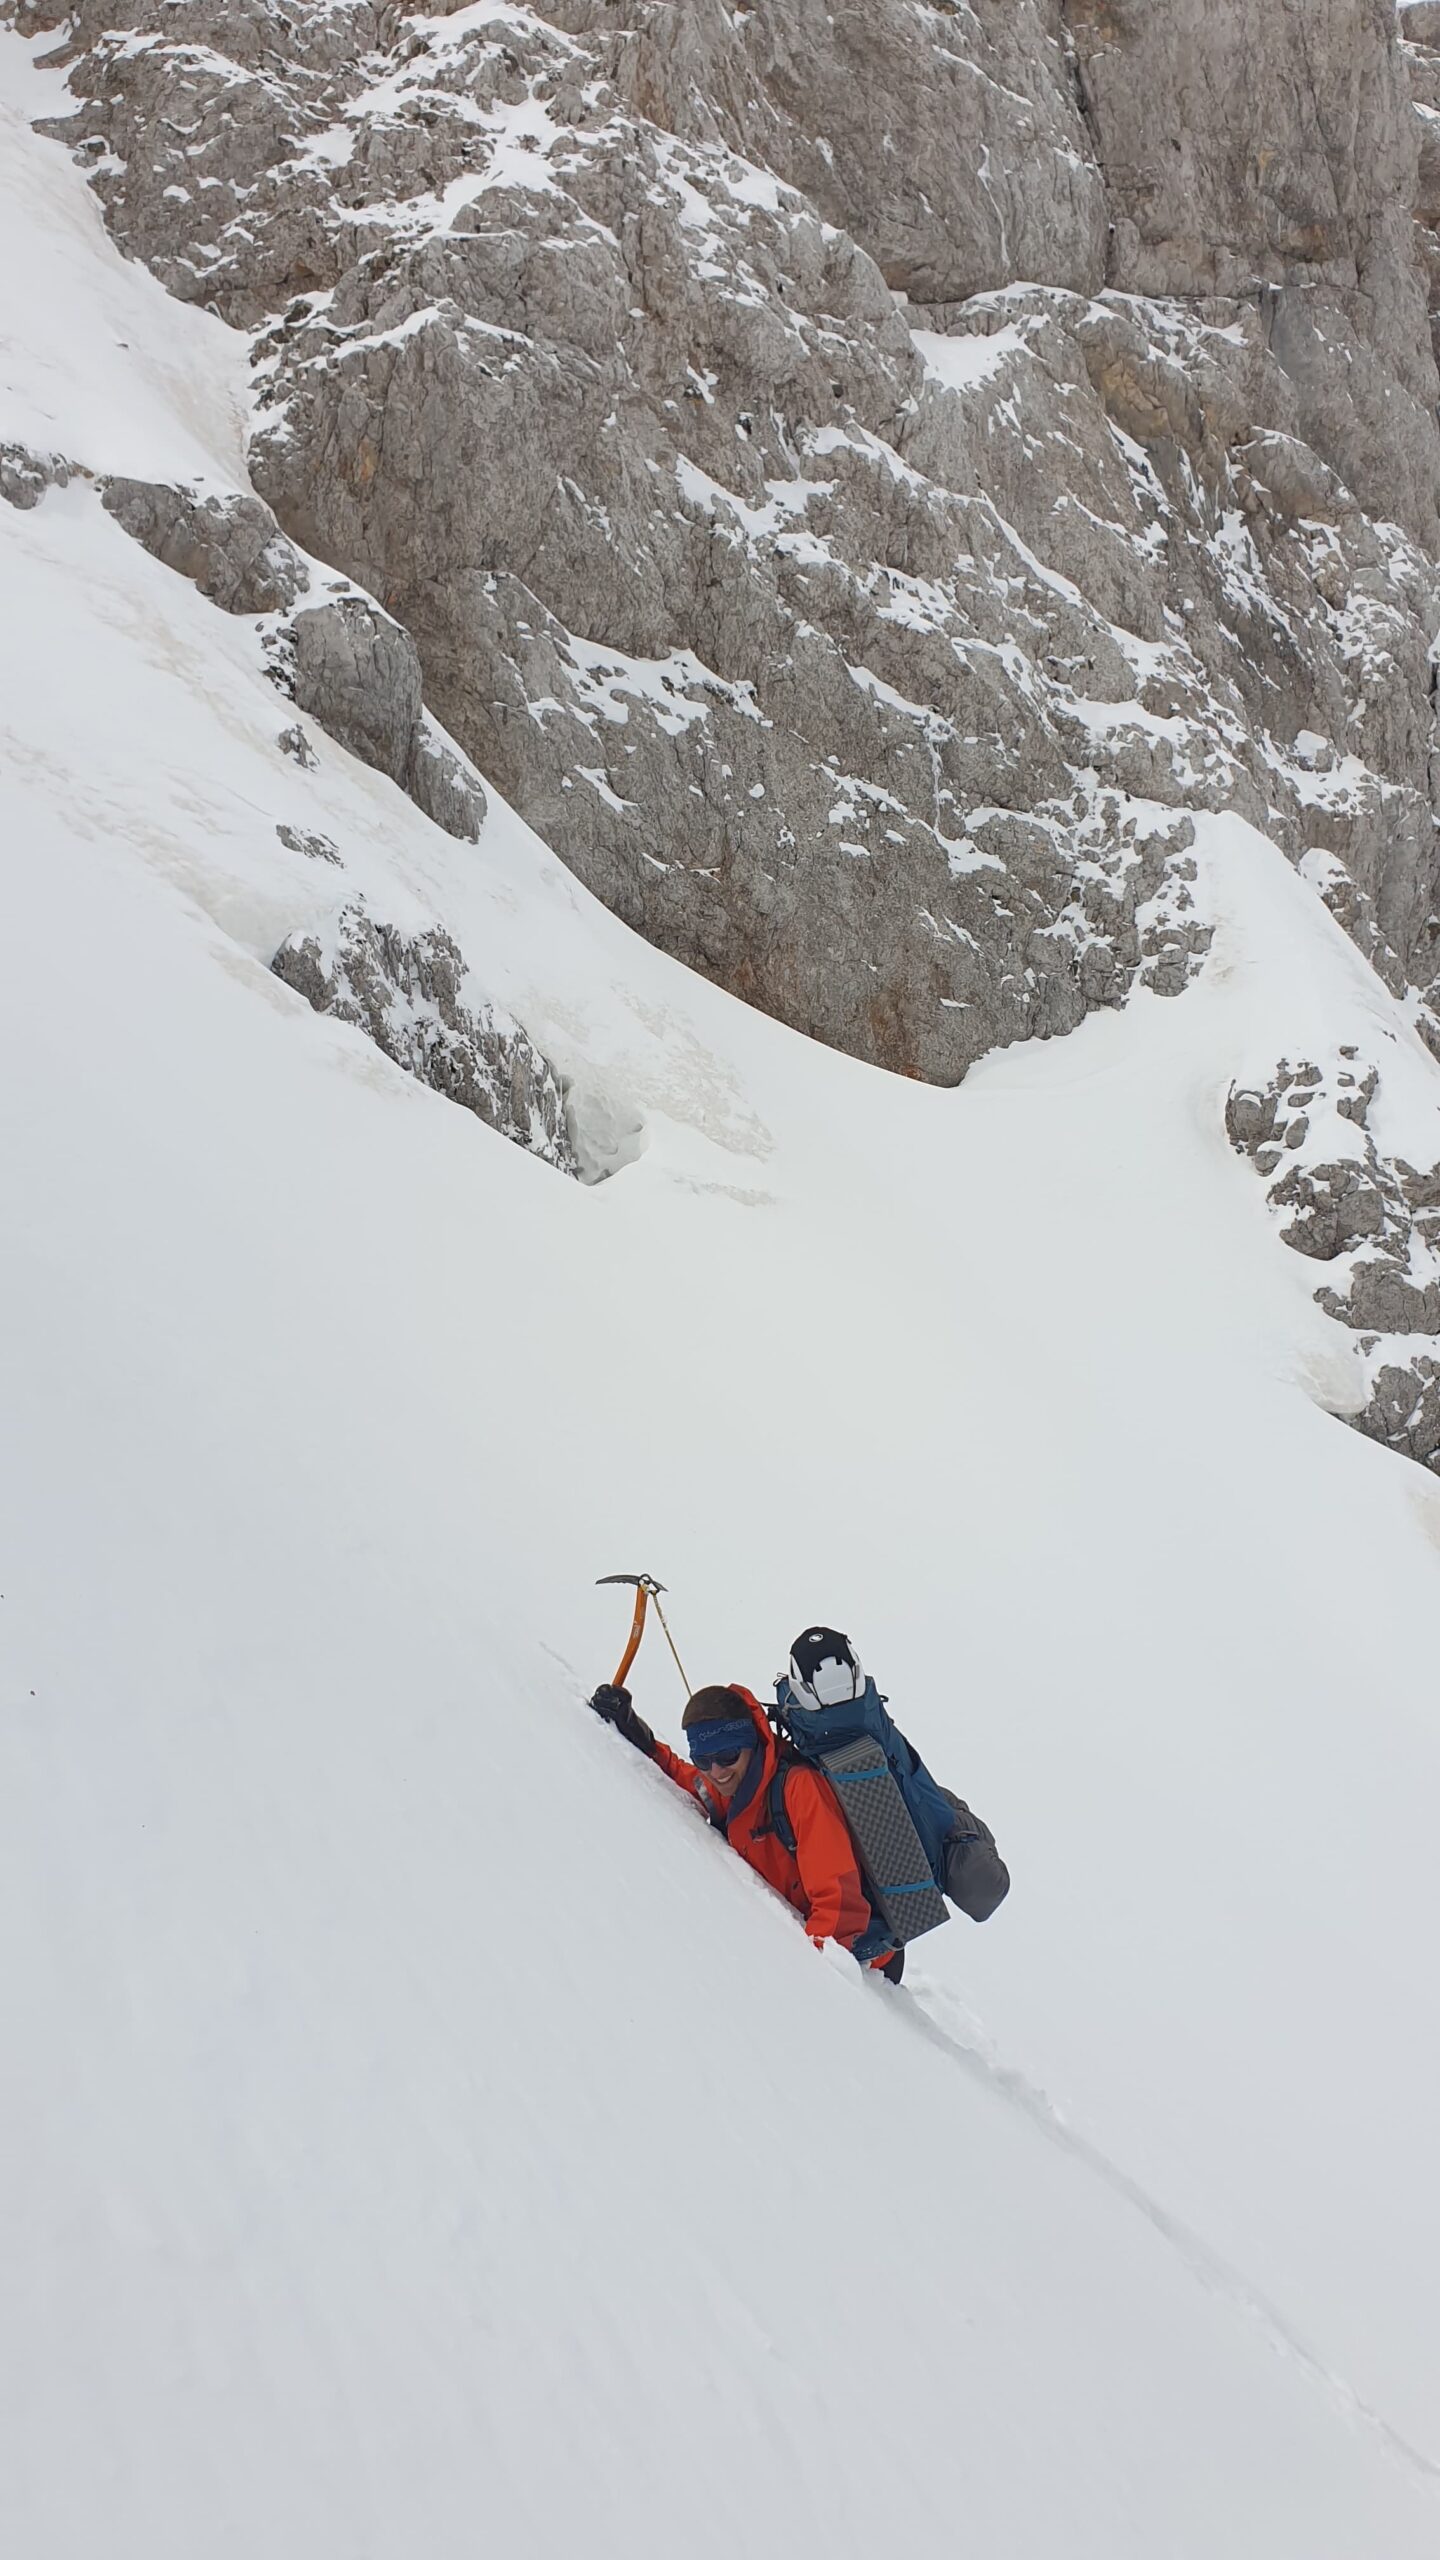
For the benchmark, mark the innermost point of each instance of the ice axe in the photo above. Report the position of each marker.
(646, 1589)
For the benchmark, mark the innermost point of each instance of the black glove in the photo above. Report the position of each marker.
(613, 1705)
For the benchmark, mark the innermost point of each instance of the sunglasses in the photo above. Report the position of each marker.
(719, 1759)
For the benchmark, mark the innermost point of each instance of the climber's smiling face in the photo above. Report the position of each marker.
(725, 1775)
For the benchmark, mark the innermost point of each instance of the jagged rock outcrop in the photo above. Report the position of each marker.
(25, 476)
(864, 651)
(1372, 1217)
(1404, 1409)
(356, 672)
(351, 667)
(295, 743)
(228, 545)
(442, 784)
(405, 991)
(306, 840)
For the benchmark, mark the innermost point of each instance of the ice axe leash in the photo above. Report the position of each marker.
(646, 1589)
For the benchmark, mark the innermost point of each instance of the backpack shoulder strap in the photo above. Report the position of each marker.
(777, 1817)
(777, 1820)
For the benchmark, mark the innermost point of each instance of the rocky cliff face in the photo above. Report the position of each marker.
(1371, 1218)
(857, 480)
(1269, 156)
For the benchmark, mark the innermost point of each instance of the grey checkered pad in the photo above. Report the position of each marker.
(889, 1844)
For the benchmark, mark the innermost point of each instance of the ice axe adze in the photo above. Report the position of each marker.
(646, 1589)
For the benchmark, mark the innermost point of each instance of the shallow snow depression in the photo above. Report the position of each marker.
(422, 2133)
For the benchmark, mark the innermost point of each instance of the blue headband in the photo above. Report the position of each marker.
(720, 1737)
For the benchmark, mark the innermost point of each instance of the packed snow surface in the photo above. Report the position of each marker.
(422, 2135)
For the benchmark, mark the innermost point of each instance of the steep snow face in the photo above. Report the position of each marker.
(427, 2134)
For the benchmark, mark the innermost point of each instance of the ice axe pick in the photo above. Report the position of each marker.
(646, 1589)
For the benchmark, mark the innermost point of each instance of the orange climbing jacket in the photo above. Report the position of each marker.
(821, 1880)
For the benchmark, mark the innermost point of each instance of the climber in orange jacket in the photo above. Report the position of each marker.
(733, 1759)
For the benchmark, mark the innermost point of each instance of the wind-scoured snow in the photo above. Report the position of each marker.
(422, 2134)
(961, 363)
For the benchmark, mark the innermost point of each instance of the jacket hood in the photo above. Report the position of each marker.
(762, 1767)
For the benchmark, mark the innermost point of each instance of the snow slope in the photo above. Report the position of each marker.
(422, 2135)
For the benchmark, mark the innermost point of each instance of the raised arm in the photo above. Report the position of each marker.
(615, 1706)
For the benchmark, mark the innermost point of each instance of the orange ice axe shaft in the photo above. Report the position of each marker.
(646, 1589)
(637, 1629)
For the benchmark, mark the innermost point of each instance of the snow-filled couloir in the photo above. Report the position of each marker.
(421, 2134)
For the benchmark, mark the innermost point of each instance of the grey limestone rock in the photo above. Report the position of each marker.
(1404, 1409)
(1270, 155)
(855, 481)
(25, 476)
(356, 671)
(444, 785)
(954, 153)
(229, 545)
(1382, 1298)
(405, 991)
(295, 743)
(351, 667)
(315, 847)
(1372, 1217)
(1335, 1205)
(1420, 49)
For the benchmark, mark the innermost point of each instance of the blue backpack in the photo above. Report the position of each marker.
(915, 1842)
(814, 1731)
(854, 1746)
